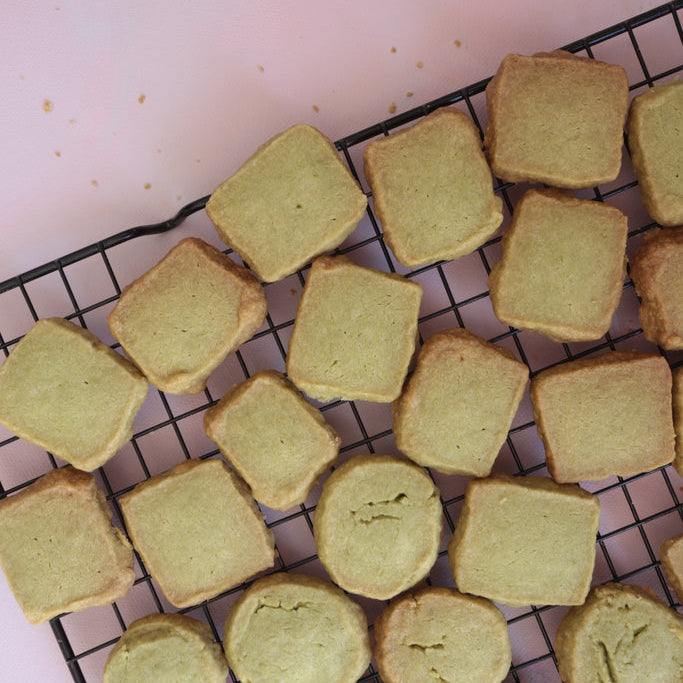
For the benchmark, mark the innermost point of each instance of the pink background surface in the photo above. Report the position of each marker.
(154, 106)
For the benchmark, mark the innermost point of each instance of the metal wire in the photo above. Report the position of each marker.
(174, 415)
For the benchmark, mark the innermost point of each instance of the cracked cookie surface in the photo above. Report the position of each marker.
(296, 629)
(378, 525)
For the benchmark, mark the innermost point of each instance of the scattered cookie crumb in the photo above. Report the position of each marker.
(21, 78)
(315, 108)
(142, 98)
(392, 107)
(147, 186)
(409, 94)
(260, 68)
(47, 106)
(158, 151)
(72, 121)
(457, 43)
(177, 197)
(419, 65)
(93, 183)
(58, 154)
(393, 49)
(198, 161)
(292, 292)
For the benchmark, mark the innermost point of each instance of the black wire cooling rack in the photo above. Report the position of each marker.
(638, 512)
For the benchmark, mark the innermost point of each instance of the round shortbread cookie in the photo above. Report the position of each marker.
(166, 647)
(293, 628)
(437, 633)
(378, 525)
(621, 633)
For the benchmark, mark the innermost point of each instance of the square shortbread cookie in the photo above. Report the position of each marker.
(655, 139)
(64, 390)
(605, 415)
(657, 273)
(432, 189)
(525, 541)
(291, 201)
(354, 333)
(563, 266)
(556, 118)
(179, 321)
(198, 530)
(457, 406)
(275, 439)
(59, 549)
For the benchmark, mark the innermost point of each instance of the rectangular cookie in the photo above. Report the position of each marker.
(59, 549)
(556, 118)
(198, 530)
(59, 379)
(525, 541)
(562, 268)
(605, 415)
(432, 189)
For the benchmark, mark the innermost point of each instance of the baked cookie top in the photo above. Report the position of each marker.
(179, 320)
(437, 633)
(378, 525)
(605, 415)
(556, 118)
(562, 268)
(293, 628)
(354, 333)
(525, 541)
(275, 439)
(59, 549)
(655, 139)
(291, 201)
(166, 647)
(622, 633)
(60, 377)
(457, 406)
(198, 530)
(657, 273)
(432, 189)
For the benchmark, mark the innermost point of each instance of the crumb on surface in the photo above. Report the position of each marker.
(72, 121)
(147, 186)
(392, 107)
(93, 183)
(47, 106)
(142, 98)
(457, 43)
(419, 65)
(393, 49)
(315, 108)
(409, 94)
(260, 68)
(292, 292)
(58, 153)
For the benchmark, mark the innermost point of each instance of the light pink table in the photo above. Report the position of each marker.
(115, 114)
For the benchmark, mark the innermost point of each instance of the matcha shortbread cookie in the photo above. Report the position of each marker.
(378, 525)
(432, 189)
(437, 633)
(354, 333)
(621, 633)
(166, 647)
(64, 390)
(179, 320)
(525, 541)
(293, 628)
(291, 201)
(275, 439)
(198, 530)
(457, 406)
(59, 549)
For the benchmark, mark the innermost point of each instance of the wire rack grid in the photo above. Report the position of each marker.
(638, 513)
